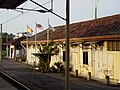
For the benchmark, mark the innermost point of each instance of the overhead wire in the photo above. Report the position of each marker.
(24, 4)
(24, 13)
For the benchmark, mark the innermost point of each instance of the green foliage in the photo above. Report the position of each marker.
(3, 53)
(44, 55)
(21, 58)
(7, 37)
(60, 66)
(43, 66)
(53, 69)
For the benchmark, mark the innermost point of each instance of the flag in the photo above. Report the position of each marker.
(28, 34)
(29, 29)
(39, 26)
(51, 28)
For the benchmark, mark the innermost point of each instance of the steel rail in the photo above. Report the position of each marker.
(14, 81)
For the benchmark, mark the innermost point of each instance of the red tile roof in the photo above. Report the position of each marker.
(93, 28)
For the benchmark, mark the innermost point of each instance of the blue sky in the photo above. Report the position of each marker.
(80, 10)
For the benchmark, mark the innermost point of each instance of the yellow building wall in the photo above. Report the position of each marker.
(100, 61)
(59, 57)
(111, 63)
(75, 58)
(86, 68)
(30, 57)
(97, 61)
(12, 54)
(106, 63)
(116, 64)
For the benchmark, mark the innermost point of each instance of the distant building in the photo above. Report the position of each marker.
(14, 48)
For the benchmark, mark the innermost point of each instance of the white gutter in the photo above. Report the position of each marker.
(23, 46)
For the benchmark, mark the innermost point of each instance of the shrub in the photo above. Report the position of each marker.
(60, 66)
(21, 58)
(43, 66)
(53, 69)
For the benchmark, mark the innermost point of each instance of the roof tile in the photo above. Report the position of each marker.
(97, 27)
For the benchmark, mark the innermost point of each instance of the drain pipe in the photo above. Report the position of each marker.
(23, 46)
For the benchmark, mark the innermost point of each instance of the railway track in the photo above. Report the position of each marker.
(13, 82)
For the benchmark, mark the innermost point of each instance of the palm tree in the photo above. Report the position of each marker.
(44, 55)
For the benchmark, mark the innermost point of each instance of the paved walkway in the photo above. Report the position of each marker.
(47, 81)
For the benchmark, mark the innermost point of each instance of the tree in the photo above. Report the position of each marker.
(6, 38)
(44, 55)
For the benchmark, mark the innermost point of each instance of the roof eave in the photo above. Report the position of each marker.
(93, 38)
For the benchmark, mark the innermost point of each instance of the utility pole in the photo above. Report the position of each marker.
(48, 32)
(67, 86)
(1, 44)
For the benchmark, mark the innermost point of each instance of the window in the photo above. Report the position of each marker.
(113, 46)
(85, 57)
(64, 54)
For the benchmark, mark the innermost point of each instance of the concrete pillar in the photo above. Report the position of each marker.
(76, 73)
(107, 80)
(7, 51)
(89, 76)
(14, 52)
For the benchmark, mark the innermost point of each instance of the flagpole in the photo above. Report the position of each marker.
(48, 32)
(27, 44)
(35, 44)
(27, 47)
(48, 41)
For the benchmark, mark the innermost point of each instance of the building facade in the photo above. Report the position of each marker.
(94, 47)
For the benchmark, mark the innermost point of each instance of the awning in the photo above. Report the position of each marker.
(10, 4)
